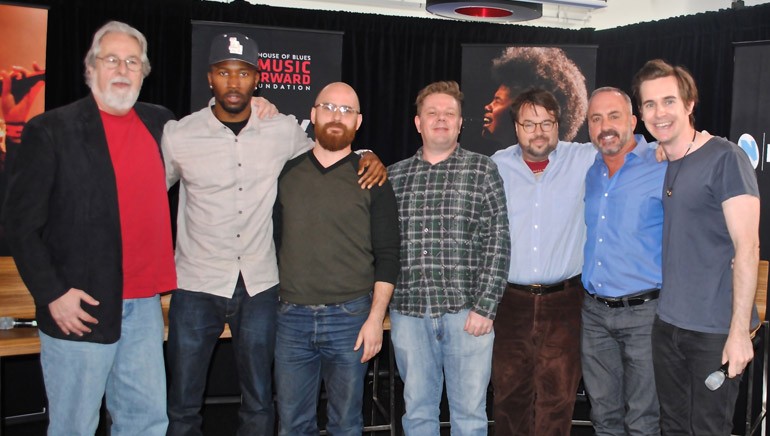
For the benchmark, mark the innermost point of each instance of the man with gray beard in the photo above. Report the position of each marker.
(87, 221)
(338, 264)
(621, 270)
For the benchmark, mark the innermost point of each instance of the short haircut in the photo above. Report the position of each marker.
(535, 97)
(657, 69)
(617, 90)
(115, 27)
(448, 87)
(548, 68)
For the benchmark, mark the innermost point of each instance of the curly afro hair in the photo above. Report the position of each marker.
(549, 68)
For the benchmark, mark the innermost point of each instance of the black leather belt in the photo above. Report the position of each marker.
(631, 300)
(547, 289)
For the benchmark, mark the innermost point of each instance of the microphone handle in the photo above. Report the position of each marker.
(24, 322)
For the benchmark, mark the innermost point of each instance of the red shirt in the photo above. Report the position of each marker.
(145, 223)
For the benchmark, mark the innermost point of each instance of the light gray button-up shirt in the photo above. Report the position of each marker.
(228, 188)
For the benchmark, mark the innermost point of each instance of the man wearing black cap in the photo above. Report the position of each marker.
(228, 162)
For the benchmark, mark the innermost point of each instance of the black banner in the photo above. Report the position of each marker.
(294, 65)
(494, 74)
(750, 122)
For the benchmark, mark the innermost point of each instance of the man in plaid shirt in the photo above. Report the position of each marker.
(455, 250)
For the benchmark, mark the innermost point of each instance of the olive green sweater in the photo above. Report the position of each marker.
(335, 239)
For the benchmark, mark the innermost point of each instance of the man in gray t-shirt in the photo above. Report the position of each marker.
(711, 217)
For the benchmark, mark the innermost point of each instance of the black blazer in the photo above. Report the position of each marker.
(61, 213)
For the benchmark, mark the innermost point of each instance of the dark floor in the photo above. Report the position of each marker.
(21, 377)
(219, 420)
(22, 393)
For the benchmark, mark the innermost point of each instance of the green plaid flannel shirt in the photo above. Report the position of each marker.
(455, 243)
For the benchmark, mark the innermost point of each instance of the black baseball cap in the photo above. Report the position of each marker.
(234, 47)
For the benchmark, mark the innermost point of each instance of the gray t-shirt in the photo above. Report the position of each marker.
(697, 248)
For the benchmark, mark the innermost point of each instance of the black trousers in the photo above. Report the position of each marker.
(683, 359)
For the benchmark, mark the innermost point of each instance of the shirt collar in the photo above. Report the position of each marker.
(553, 156)
(456, 154)
(641, 149)
(215, 125)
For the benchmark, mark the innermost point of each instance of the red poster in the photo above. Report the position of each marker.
(22, 79)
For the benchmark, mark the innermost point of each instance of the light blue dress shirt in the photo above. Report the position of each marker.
(545, 213)
(624, 220)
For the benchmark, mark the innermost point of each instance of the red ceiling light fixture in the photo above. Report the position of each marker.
(502, 11)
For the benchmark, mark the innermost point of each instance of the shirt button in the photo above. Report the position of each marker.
(599, 285)
(599, 263)
(241, 189)
(238, 235)
(534, 248)
(535, 270)
(605, 194)
(601, 239)
(236, 139)
(425, 230)
(240, 212)
(425, 252)
(536, 226)
(239, 257)
(603, 217)
(239, 164)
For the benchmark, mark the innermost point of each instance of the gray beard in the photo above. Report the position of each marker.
(120, 102)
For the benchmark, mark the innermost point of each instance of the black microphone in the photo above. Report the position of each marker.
(715, 380)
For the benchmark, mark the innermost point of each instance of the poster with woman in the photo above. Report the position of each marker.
(493, 75)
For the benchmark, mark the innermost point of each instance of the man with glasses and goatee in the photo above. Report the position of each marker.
(536, 356)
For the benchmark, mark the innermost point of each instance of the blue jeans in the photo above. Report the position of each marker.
(196, 319)
(130, 372)
(313, 343)
(683, 359)
(616, 352)
(426, 350)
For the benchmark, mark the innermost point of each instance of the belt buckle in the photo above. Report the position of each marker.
(537, 289)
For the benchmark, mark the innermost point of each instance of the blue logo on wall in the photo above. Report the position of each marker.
(749, 145)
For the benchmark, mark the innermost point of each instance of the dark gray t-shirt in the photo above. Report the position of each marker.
(697, 248)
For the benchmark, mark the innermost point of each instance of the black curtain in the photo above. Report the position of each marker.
(703, 43)
(388, 59)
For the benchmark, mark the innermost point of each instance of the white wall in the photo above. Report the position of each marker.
(617, 13)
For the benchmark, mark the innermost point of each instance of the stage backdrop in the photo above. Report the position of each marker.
(22, 79)
(750, 123)
(294, 65)
(492, 75)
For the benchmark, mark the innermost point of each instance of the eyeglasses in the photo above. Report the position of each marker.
(113, 62)
(331, 108)
(529, 126)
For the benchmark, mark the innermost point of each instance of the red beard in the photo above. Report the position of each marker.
(334, 141)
